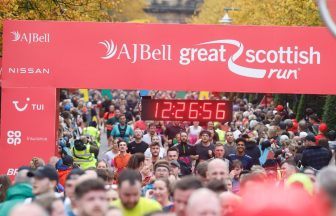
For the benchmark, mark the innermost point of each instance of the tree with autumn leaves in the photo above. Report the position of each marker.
(73, 10)
(260, 12)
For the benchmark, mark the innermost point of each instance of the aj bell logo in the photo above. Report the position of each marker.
(13, 137)
(111, 49)
(289, 57)
(24, 105)
(30, 37)
(137, 52)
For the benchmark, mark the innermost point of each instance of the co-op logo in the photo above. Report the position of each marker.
(31, 37)
(289, 58)
(14, 137)
(22, 106)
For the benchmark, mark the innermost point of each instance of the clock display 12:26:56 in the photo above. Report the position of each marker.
(187, 110)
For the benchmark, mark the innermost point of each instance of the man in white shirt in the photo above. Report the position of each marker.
(162, 154)
(151, 132)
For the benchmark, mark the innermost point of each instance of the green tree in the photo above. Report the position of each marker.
(251, 97)
(316, 102)
(276, 99)
(283, 99)
(301, 107)
(329, 112)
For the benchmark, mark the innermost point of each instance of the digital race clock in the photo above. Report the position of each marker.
(186, 110)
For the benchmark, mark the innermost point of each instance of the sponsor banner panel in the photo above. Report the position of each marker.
(175, 57)
(332, 9)
(28, 117)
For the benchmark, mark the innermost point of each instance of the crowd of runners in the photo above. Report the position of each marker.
(110, 162)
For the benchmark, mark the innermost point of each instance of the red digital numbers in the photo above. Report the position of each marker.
(207, 111)
(180, 110)
(220, 112)
(165, 112)
(193, 110)
(186, 110)
(156, 109)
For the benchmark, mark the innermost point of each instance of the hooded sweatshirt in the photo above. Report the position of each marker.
(15, 194)
(252, 150)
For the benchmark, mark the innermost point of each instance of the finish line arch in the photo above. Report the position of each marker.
(41, 56)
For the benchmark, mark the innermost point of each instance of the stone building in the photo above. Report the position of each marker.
(173, 11)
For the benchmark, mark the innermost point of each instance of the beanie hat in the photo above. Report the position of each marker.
(79, 145)
(279, 108)
(283, 138)
(323, 127)
(67, 107)
(311, 137)
(162, 163)
(303, 134)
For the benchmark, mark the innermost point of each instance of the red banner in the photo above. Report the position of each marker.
(48, 55)
(28, 126)
(0, 70)
(332, 8)
(169, 57)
